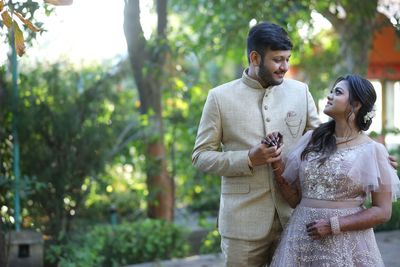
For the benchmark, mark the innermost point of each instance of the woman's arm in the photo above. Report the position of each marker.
(379, 213)
(292, 196)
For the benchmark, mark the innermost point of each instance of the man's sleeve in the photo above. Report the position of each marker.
(312, 114)
(206, 155)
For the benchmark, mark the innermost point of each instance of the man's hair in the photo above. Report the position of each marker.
(264, 36)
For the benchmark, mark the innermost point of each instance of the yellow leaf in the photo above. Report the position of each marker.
(27, 22)
(7, 20)
(19, 40)
(59, 2)
(1, 5)
(137, 104)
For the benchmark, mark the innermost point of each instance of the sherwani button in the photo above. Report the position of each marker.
(265, 107)
(268, 119)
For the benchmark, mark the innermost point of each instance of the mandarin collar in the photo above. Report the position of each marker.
(250, 82)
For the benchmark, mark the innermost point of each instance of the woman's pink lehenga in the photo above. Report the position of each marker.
(338, 187)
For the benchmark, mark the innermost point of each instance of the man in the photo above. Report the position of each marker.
(237, 116)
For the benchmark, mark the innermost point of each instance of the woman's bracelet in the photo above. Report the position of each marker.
(335, 226)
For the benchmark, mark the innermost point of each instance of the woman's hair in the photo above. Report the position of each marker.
(360, 90)
(264, 36)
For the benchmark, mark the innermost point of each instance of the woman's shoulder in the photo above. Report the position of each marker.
(303, 141)
(377, 147)
(307, 134)
(371, 153)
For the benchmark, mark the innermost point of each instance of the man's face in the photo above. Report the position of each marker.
(273, 67)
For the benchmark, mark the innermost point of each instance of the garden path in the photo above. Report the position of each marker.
(388, 242)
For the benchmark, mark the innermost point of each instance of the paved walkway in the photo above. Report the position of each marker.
(388, 242)
(389, 245)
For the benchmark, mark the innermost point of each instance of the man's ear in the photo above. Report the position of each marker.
(255, 58)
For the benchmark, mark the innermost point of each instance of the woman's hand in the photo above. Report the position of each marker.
(273, 139)
(319, 229)
(393, 162)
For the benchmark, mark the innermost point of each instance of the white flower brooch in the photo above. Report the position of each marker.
(369, 115)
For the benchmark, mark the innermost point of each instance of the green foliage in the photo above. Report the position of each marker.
(29, 10)
(318, 58)
(215, 32)
(219, 28)
(147, 240)
(123, 186)
(69, 125)
(212, 243)
(396, 153)
(183, 105)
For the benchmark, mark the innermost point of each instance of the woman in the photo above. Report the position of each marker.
(327, 178)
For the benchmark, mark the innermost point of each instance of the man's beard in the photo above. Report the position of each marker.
(266, 76)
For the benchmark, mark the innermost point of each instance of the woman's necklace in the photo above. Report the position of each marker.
(343, 140)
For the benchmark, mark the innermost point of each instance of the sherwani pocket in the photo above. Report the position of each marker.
(235, 189)
(293, 125)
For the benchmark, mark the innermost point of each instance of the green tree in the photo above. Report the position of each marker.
(220, 27)
(72, 123)
(11, 14)
(354, 25)
(3, 187)
(147, 59)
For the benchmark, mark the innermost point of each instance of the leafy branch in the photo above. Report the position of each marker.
(11, 19)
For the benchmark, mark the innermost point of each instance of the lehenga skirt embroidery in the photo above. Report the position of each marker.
(353, 248)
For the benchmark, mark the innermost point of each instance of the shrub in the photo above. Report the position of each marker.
(211, 244)
(147, 240)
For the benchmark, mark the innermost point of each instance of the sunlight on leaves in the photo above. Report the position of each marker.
(198, 189)
(109, 188)
(179, 83)
(137, 104)
(197, 91)
(144, 120)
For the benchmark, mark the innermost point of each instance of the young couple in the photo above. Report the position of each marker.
(327, 173)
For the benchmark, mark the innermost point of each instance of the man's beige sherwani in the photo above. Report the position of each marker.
(237, 116)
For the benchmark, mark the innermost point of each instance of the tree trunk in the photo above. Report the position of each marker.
(355, 30)
(2, 246)
(148, 69)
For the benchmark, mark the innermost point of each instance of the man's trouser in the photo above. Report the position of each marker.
(242, 253)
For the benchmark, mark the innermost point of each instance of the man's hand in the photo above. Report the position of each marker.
(393, 162)
(261, 154)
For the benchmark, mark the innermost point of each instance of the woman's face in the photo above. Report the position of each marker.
(338, 105)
